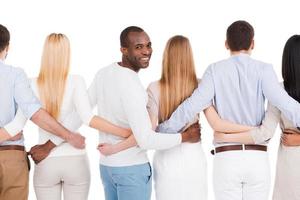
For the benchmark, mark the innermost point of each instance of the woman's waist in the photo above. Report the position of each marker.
(184, 148)
(65, 149)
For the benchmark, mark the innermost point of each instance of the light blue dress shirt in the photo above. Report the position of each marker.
(237, 87)
(15, 92)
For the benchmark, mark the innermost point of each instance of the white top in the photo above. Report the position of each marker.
(122, 99)
(75, 105)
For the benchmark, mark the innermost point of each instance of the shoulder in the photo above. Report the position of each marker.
(153, 86)
(14, 71)
(75, 78)
(199, 80)
(260, 64)
(75, 81)
(281, 84)
(33, 81)
(220, 62)
(102, 71)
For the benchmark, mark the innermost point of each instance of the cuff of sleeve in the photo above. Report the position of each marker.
(32, 111)
(255, 136)
(162, 129)
(11, 130)
(88, 119)
(57, 140)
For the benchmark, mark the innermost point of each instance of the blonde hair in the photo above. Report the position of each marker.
(178, 79)
(53, 74)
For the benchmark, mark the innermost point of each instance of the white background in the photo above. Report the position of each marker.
(93, 28)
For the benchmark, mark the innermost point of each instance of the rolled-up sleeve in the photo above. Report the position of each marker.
(286, 104)
(17, 124)
(24, 96)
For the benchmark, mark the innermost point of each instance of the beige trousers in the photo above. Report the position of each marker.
(67, 174)
(13, 175)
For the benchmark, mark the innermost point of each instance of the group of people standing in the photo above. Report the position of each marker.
(165, 117)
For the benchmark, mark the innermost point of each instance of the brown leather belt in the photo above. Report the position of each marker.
(239, 147)
(12, 147)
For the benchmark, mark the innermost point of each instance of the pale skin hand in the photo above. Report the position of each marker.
(109, 149)
(290, 138)
(5, 136)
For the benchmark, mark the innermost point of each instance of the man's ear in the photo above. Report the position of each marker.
(124, 50)
(226, 45)
(252, 45)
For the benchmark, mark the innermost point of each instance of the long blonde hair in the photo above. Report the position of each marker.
(178, 79)
(54, 71)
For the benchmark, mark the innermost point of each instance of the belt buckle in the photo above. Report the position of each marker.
(243, 147)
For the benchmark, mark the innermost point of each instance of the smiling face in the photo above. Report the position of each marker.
(138, 53)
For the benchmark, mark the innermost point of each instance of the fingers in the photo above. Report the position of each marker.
(283, 140)
(290, 131)
(16, 137)
(101, 145)
(33, 149)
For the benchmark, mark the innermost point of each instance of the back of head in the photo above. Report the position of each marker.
(124, 40)
(54, 70)
(239, 36)
(291, 67)
(178, 79)
(4, 37)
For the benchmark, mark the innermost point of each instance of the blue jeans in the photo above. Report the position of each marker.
(127, 183)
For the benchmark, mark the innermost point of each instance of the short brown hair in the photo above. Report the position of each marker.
(239, 35)
(4, 37)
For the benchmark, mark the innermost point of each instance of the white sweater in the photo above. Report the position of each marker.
(122, 100)
(75, 106)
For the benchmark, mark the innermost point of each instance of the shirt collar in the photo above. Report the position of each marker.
(240, 55)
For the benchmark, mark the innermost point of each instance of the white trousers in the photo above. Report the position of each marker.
(180, 173)
(241, 175)
(70, 174)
